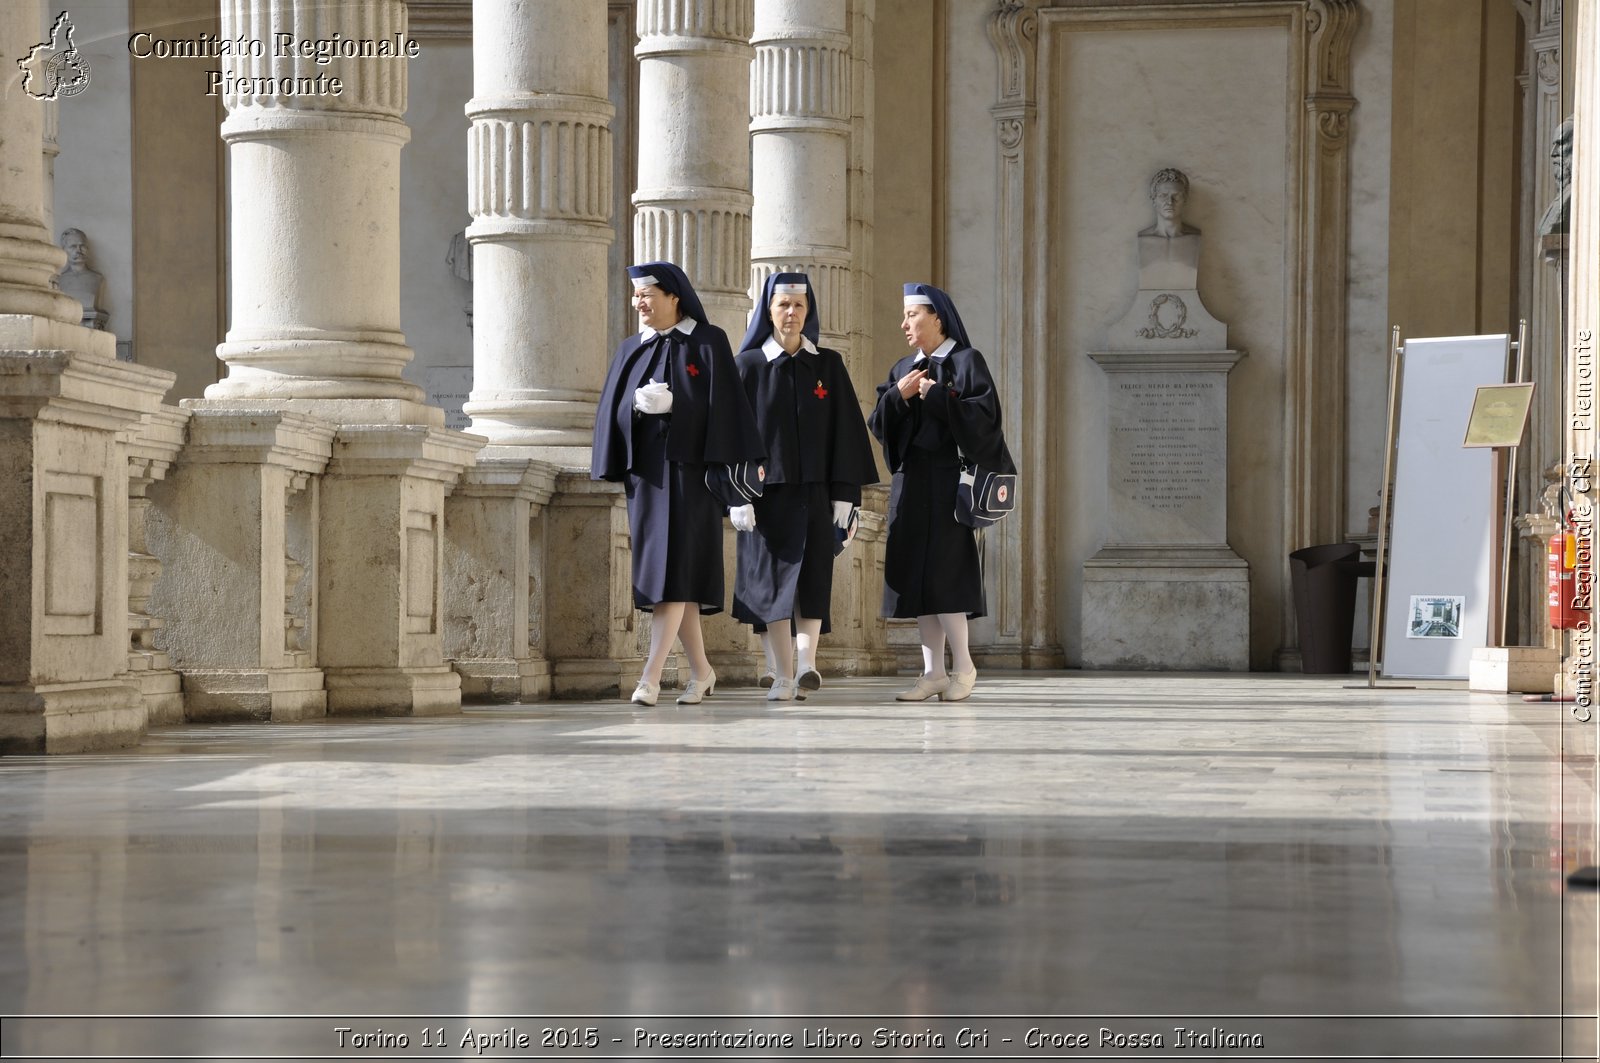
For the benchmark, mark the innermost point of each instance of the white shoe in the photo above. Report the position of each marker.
(782, 690)
(924, 688)
(766, 680)
(809, 679)
(960, 686)
(694, 691)
(646, 692)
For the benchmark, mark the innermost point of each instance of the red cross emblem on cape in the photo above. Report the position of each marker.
(821, 392)
(692, 369)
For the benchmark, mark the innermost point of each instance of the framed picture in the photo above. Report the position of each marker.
(1499, 415)
(1435, 616)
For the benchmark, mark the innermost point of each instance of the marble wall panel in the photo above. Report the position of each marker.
(1214, 100)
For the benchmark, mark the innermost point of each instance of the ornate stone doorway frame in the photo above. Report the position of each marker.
(1317, 235)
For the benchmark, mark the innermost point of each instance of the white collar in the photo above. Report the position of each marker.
(940, 353)
(685, 325)
(774, 350)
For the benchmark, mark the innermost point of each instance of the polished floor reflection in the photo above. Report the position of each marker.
(1349, 872)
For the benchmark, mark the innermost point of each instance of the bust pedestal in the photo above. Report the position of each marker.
(1166, 591)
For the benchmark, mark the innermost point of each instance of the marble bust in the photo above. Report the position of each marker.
(1166, 313)
(1169, 250)
(80, 280)
(1553, 221)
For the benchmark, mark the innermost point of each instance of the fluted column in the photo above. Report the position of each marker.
(314, 175)
(693, 200)
(539, 190)
(29, 258)
(800, 124)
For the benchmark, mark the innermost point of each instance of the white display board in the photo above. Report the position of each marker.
(1440, 583)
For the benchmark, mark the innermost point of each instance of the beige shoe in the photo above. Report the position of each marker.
(782, 690)
(695, 691)
(960, 686)
(924, 688)
(646, 692)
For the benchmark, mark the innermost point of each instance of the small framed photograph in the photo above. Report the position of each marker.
(1499, 415)
(1435, 616)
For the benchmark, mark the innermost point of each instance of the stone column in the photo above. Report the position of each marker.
(314, 221)
(802, 148)
(800, 125)
(154, 447)
(29, 257)
(693, 201)
(67, 410)
(314, 168)
(52, 150)
(539, 190)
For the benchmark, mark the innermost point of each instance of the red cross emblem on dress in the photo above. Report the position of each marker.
(692, 369)
(821, 392)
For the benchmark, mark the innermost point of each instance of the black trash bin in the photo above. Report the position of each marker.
(1324, 581)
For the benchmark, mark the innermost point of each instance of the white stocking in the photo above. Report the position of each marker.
(932, 634)
(955, 631)
(807, 631)
(782, 644)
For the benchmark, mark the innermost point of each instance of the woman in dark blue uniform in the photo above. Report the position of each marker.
(818, 457)
(938, 404)
(671, 405)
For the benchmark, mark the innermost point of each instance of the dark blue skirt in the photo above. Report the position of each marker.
(676, 527)
(785, 566)
(930, 562)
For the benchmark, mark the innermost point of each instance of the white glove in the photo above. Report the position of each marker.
(743, 517)
(654, 397)
(841, 514)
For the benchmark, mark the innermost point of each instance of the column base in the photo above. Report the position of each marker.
(597, 678)
(504, 679)
(162, 691)
(1513, 669)
(1166, 609)
(70, 717)
(32, 332)
(276, 695)
(393, 691)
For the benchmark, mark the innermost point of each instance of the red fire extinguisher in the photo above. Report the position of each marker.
(1561, 581)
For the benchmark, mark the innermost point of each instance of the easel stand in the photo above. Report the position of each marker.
(1375, 628)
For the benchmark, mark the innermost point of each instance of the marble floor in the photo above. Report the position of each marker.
(1069, 865)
